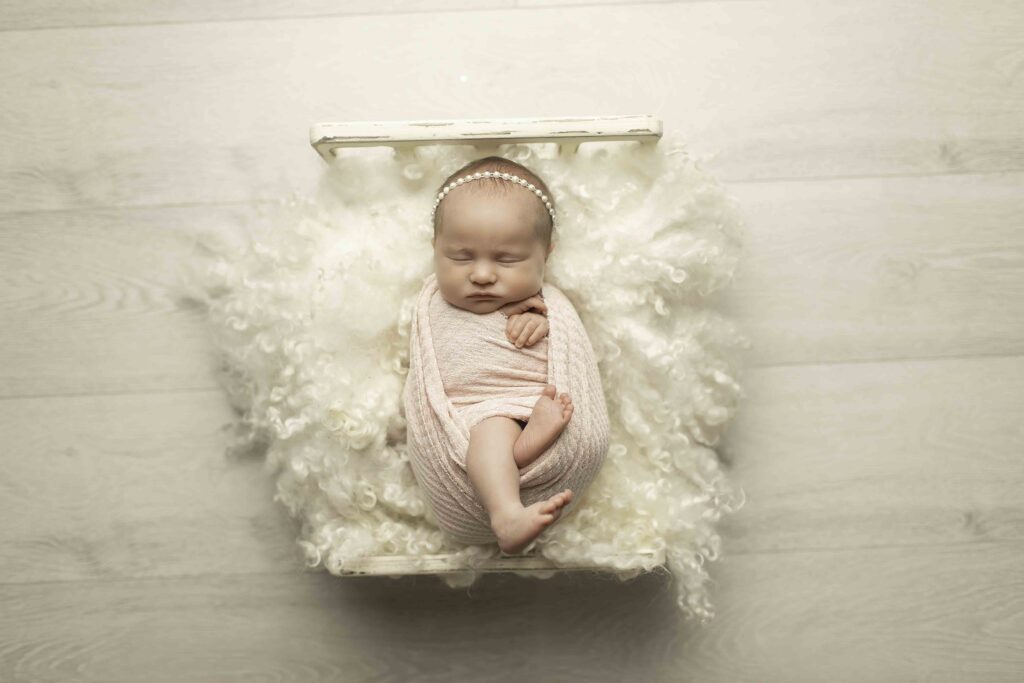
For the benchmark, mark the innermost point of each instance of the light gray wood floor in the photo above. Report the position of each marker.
(878, 149)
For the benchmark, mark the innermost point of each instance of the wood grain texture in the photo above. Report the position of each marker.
(56, 14)
(864, 455)
(44, 14)
(869, 269)
(935, 613)
(877, 151)
(219, 112)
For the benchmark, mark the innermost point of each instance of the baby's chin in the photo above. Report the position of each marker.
(482, 305)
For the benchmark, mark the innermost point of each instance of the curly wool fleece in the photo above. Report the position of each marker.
(312, 319)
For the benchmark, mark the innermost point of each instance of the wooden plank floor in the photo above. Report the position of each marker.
(877, 150)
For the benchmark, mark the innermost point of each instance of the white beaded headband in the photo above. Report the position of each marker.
(493, 174)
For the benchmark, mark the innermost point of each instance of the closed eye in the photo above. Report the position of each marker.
(504, 260)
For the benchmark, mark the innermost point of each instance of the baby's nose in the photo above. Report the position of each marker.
(482, 273)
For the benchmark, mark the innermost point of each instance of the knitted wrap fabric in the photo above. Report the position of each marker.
(438, 437)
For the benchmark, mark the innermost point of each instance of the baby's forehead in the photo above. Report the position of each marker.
(508, 198)
(493, 219)
(466, 233)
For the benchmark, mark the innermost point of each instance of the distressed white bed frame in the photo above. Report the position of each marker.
(486, 135)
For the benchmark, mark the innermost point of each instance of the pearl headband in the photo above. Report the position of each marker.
(493, 174)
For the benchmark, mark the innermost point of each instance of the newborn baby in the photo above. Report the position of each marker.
(492, 238)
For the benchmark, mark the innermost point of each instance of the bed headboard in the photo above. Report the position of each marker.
(486, 134)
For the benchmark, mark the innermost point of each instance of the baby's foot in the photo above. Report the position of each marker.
(547, 421)
(515, 530)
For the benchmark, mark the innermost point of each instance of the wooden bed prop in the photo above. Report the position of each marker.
(487, 135)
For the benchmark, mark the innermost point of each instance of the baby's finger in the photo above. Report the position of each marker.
(525, 333)
(537, 335)
(514, 308)
(530, 303)
(513, 333)
(533, 303)
(521, 323)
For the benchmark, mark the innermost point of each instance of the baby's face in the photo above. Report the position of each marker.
(487, 244)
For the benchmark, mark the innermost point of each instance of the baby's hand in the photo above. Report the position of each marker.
(526, 328)
(535, 302)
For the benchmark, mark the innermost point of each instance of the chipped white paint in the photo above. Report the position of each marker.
(568, 132)
(396, 565)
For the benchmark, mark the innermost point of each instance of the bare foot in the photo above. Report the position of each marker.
(515, 530)
(549, 417)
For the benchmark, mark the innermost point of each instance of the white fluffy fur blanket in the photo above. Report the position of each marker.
(310, 307)
(438, 431)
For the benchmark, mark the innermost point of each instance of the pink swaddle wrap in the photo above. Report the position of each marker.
(463, 369)
(483, 373)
